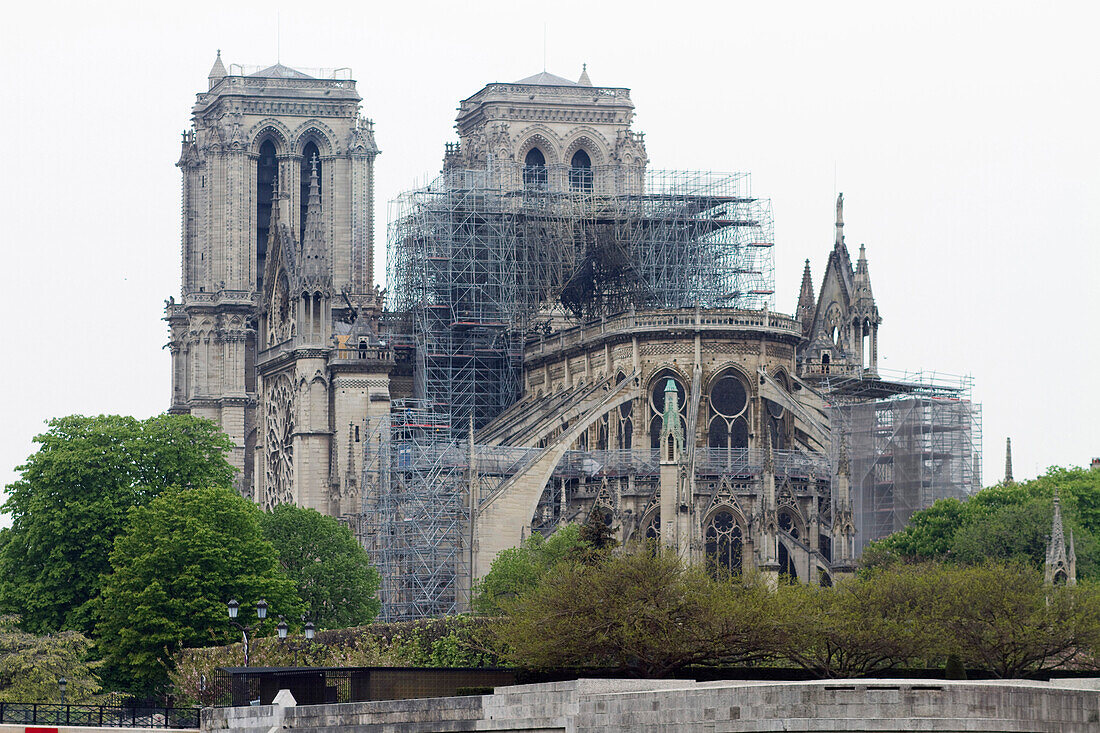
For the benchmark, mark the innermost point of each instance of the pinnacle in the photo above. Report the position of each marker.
(584, 81)
(217, 71)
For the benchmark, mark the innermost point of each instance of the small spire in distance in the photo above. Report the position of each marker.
(584, 81)
(840, 220)
(1008, 461)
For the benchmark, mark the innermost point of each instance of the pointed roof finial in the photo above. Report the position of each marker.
(840, 220)
(217, 71)
(1008, 461)
(584, 81)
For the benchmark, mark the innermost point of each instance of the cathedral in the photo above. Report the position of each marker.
(565, 330)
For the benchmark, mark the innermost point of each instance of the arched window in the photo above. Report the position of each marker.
(728, 426)
(724, 543)
(534, 170)
(580, 172)
(267, 167)
(788, 524)
(787, 570)
(309, 152)
(625, 422)
(777, 424)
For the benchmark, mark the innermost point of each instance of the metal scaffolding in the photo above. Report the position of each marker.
(414, 512)
(480, 259)
(909, 450)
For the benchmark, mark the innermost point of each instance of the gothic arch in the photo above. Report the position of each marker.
(592, 142)
(545, 140)
(720, 506)
(269, 129)
(743, 374)
(681, 376)
(319, 134)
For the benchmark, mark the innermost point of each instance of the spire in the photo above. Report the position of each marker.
(1059, 568)
(805, 312)
(584, 81)
(314, 252)
(671, 424)
(217, 71)
(1008, 461)
(839, 221)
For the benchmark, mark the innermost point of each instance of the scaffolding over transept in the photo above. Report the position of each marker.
(481, 259)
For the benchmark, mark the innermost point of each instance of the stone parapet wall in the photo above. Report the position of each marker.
(685, 706)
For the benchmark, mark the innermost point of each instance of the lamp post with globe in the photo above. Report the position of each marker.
(261, 614)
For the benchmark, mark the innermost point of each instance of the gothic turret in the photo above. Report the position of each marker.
(1061, 565)
(584, 81)
(842, 330)
(1008, 462)
(217, 71)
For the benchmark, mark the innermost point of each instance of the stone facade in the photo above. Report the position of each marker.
(684, 706)
(749, 484)
(278, 309)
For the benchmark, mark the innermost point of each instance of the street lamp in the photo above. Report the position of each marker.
(282, 628)
(261, 614)
(62, 683)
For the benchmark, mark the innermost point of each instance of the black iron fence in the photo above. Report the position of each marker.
(113, 716)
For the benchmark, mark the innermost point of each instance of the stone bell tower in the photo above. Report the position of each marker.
(251, 127)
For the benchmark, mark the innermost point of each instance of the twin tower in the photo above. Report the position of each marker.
(277, 336)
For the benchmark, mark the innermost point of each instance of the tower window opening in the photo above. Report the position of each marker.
(580, 172)
(266, 169)
(534, 170)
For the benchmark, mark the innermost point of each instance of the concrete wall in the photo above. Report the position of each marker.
(83, 729)
(686, 706)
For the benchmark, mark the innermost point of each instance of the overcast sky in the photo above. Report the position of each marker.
(964, 137)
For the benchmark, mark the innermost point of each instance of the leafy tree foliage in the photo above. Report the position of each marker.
(72, 497)
(640, 612)
(1001, 617)
(646, 613)
(520, 569)
(857, 627)
(1005, 522)
(331, 569)
(30, 666)
(175, 565)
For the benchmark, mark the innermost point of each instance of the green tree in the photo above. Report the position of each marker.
(1003, 618)
(30, 665)
(641, 612)
(71, 499)
(859, 626)
(175, 565)
(331, 569)
(517, 570)
(1005, 521)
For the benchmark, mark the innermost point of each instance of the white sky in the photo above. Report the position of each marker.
(964, 137)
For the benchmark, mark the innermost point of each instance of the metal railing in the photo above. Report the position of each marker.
(110, 716)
